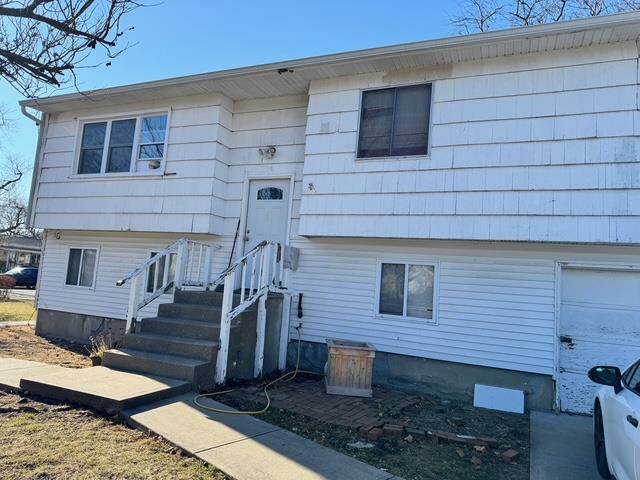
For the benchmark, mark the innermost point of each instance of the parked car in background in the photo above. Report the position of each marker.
(25, 276)
(616, 413)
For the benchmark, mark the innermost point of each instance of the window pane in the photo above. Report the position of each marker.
(411, 121)
(153, 129)
(73, 267)
(420, 291)
(88, 267)
(90, 160)
(151, 275)
(376, 123)
(270, 193)
(93, 135)
(119, 159)
(149, 152)
(122, 132)
(392, 289)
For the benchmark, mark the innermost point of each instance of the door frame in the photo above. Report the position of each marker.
(245, 206)
(577, 265)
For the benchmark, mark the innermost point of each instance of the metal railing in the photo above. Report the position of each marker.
(183, 263)
(259, 272)
(186, 263)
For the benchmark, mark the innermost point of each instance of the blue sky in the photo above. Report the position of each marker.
(182, 37)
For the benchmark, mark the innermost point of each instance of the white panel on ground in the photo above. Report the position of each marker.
(497, 398)
(599, 325)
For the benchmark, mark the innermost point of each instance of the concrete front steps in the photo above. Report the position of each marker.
(181, 342)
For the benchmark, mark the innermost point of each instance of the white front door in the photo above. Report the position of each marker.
(599, 325)
(267, 212)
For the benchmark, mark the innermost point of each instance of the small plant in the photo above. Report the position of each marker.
(100, 344)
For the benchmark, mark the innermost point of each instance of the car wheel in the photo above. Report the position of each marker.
(598, 441)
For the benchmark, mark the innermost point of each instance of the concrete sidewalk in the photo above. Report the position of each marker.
(245, 447)
(562, 447)
(13, 370)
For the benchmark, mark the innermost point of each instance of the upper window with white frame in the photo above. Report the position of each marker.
(81, 267)
(123, 146)
(394, 122)
(407, 290)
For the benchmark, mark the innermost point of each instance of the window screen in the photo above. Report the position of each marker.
(394, 121)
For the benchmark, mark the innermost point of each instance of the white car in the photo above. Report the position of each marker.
(616, 413)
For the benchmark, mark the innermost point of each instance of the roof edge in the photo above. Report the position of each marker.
(476, 39)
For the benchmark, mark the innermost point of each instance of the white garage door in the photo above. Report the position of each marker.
(599, 325)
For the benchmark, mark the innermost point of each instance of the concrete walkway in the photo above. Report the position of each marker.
(13, 370)
(245, 447)
(562, 447)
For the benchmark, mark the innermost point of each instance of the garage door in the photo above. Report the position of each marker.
(599, 325)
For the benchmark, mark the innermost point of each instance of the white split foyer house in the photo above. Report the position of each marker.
(469, 205)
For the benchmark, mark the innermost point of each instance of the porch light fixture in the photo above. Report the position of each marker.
(268, 152)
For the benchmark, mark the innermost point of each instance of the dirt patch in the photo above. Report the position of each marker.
(53, 441)
(22, 342)
(416, 457)
(17, 311)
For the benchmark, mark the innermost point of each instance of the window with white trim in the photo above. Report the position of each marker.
(81, 267)
(394, 121)
(407, 290)
(131, 145)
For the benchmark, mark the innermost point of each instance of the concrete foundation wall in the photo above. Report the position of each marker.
(445, 379)
(76, 327)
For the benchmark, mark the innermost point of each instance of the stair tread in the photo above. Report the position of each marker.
(160, 357)
(171, 338)
(183, 321)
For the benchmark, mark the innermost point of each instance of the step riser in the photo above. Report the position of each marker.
(200, 313)
(201, 332)
(213, 299)
(145, 365)
(201, 352)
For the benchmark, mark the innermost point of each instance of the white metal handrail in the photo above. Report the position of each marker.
(183, 263)
(259, 271)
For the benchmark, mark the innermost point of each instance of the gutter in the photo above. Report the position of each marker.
(42, 124)
(629, 19)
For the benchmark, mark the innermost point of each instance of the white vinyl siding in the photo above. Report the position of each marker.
(542, 147)
(495, 302)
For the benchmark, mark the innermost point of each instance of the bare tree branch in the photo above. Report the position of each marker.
(484, 15)
(43, 41)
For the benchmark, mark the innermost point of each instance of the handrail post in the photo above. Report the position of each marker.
(225, 327)
(132, 310)
(180, 264)
(261, 325)
(207, 267)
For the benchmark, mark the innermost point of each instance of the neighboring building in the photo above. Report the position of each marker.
(15, 250)
(470, 205)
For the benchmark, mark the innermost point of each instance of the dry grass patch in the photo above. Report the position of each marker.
(52, 441)
(17, 311)
(22, 342)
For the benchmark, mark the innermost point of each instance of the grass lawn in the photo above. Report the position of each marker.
(17, 311)
(52, 441)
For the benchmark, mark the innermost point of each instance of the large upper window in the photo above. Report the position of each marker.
(127, 145)
(406, 290)
(81, 267)
(394, 121)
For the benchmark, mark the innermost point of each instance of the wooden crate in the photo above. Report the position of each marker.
(349, 368)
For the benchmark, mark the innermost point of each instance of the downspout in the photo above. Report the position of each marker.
(42, 126)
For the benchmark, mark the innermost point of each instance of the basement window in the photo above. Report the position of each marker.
(81, 267)
(128, 145)
(394, 122)
(407, 290)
